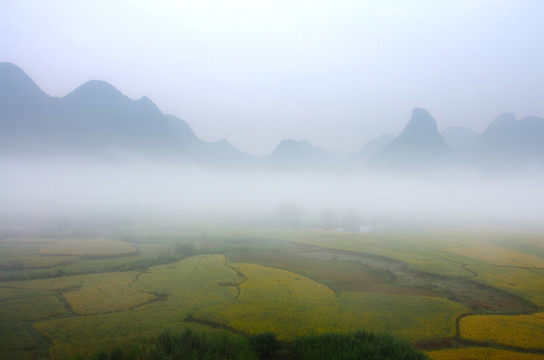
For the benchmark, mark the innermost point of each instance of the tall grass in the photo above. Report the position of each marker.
(189, 344)
(192, 344)
(354, 345)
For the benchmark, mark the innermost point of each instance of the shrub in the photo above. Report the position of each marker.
(265, 345)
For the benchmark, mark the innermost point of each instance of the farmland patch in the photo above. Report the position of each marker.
(89, 247)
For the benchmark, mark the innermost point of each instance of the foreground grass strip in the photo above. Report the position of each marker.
(354, 345)
(191, 344)
(521, 331)
(289, 304)
(481, 353)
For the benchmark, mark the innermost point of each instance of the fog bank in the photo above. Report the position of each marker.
(140, 188)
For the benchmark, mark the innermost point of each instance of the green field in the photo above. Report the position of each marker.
(466, 288)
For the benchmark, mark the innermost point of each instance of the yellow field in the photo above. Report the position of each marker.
(9, 293)
(27, 253)
(192, 278)
(527, 283)
(94, 293)
(186, 286)
(13, 336)
(443, 251)
(110, 308)
(107, 292)
(522, 331)
(494, 254)
(29, 240)
(292, 305)
(88, 334)
(30, 308)
(500, 247)
(89, 247)
(394, 245)
(479, 353)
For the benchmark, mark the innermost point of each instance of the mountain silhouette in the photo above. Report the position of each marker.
(459, 138)
(292, 154)
(419, 146)
(372, 147)
(508, 143)
(17, 87)
(95, 120)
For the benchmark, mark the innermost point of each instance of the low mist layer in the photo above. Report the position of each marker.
(354, 201)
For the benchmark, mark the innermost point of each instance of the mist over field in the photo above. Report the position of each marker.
(305, 198)
(271, 179)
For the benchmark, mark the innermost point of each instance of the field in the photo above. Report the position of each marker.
(463, 293)
(292, 305)
(520, 331)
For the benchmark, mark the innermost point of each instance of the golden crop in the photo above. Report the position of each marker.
(30, 308)
(527, 283)
(398, 246)
(89, 246)
(93, 293)
(185, 287)
(522, 331)
(292, 305)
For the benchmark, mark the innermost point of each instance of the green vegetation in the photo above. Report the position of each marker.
(352, 346)
(197, 345)
(292, 305)
(222, 291)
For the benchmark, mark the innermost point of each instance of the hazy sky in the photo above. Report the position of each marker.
(337, 73)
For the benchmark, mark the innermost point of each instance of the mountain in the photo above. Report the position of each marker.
(372, 147)
(419, 146)
(17, 87)
(508, 143)
(459, 138)
(292, 154)
(95, 120)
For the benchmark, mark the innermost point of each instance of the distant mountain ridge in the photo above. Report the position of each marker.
(419, 145)
(96, 120)
(508, 143)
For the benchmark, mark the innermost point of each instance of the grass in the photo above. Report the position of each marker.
(108, 292)
(191, 344)
(292, 305)
(338, 275)
(89, 247)
(31, 308)
(526, 283)
(271, 283)
(13, 336)
(191, 279)
(93, 293)
(394, 245)
(354, 345)
(184, 287)
(520, 331)
(481, 353)
(87, 335)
